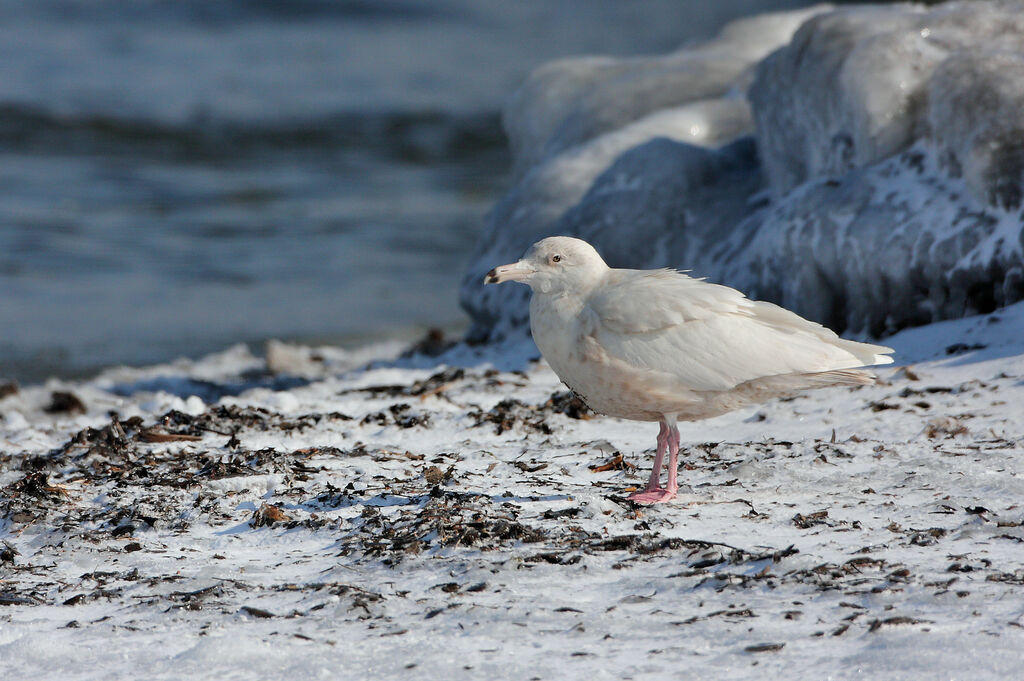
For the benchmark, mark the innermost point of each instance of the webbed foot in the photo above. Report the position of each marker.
(652, 496)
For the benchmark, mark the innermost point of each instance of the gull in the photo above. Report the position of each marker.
(658, 345)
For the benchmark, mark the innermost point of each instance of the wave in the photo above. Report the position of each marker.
(204, 12)
(410, 136)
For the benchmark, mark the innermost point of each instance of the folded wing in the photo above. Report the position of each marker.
(710, 337)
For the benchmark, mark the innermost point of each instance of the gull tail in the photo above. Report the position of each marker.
(769, 387)
(866, 353)
(844, 376)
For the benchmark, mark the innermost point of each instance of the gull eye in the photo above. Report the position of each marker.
(556, 258)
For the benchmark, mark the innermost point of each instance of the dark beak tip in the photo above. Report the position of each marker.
(491, 277)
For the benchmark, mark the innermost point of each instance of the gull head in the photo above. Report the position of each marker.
(556, 265)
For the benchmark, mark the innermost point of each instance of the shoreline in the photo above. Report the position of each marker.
(56, 365)
(411, 514)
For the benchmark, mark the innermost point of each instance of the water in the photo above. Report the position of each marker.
(176, 177)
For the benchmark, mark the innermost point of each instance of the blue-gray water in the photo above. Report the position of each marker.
(178, 176)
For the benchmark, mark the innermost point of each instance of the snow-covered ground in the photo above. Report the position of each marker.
(423, 520)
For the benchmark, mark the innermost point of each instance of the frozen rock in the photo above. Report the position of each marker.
(701, 193)
(569, 101)
(534, 206)
(879, 188)
(880, 248)
(974, 113)
(841, 94)
(858, 85)
(573, 118)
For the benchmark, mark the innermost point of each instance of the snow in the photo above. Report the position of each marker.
(879, 186)
(848, 533)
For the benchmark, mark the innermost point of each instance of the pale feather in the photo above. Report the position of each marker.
(708, 337)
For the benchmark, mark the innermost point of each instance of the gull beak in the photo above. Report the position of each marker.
(517, 271)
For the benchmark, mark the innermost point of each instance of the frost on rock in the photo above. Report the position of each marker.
(702, 194)
(573, 118)
(857, 85)
(975, 114)
(872, 179)
(884, 247)
(533, 208)
(569, 101)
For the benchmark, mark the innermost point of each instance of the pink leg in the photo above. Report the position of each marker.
(655, 480)
(654, 493)
(673, 459)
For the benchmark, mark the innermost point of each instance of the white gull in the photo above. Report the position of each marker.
(657, 345)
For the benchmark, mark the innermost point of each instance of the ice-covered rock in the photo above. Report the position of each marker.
(841, 94)
(569, 101)
(567, 126)
(974, 113)
(533, 208)
(879, 248)
(859, 84)
(881, 188)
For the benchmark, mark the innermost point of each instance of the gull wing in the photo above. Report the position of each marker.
(710, 337)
